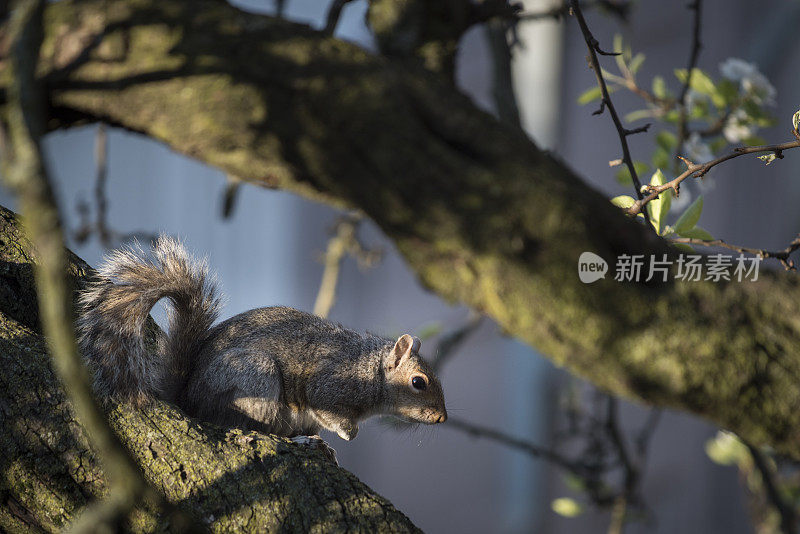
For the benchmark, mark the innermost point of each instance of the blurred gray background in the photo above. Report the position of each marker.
(267, 254)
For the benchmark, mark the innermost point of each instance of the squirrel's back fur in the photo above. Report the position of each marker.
(114, 317)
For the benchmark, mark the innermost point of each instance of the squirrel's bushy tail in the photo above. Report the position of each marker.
(114, 312)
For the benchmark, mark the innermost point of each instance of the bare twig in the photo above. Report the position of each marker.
(780, 255)
(699, 170)
(232, 186)
(502, 82)
(642, 439)
(334, 12)
(618, 513)
(605, 453)
(594, 48)
(107, 236)
(450, 341)
(343, 241)
(697, 45)
(516, 443)
(101, 158)
(628, 465)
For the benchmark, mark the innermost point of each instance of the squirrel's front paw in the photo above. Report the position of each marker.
(347, 432)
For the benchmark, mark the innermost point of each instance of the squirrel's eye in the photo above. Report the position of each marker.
(419, 383)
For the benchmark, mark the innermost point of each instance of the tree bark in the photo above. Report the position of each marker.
(231, 481)
(479, 212)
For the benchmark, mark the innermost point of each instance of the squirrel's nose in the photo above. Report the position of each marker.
(441, 419)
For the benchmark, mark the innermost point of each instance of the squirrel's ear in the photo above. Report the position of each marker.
(405, 345)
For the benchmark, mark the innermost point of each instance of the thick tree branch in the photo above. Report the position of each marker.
(480, 213)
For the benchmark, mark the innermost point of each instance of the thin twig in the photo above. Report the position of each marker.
(628, 465)
(343, 241)
(697, 45)
(450, 341)
(101, 160)
(229, 196)
(334, 12)
(780, 255)
(107, 235)
(594, 48)
(699, 170)
(516, 443)
(644, 435)
(502, 81)
(618, 513)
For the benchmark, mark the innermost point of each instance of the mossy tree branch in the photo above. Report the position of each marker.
(479, 212)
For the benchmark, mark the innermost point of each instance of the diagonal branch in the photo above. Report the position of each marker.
(478, 211)
(594, 49)
(694, 170)
(697, 7)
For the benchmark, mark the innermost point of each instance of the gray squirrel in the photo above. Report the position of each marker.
(276, 370)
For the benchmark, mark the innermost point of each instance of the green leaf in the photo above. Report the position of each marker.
(429, 330)
(638, 115)
(590, 95)
(661, 158)
(618, 49)
(666, 140)
(727, 449)
(754, 140)
(684, 247)
(717, 144)
(658, 178)
(623, 201)
(728, 90)
(659, 87)
(606, 74)
(575, 483)
(768, 158)
(659, 207)
(700, 81)
(758, 114)
(697, 233)
(672, 116)
(566, 507)
(690, 216)
(636, 62)
(624, 176)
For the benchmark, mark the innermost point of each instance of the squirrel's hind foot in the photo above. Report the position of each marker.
(316, 442)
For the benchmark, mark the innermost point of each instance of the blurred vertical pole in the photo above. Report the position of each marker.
(535, 68)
